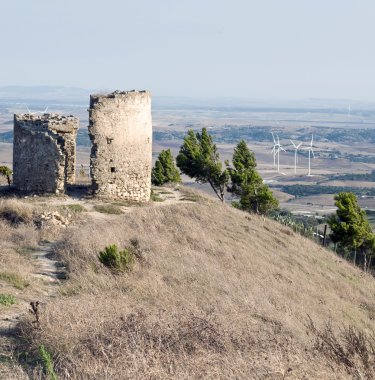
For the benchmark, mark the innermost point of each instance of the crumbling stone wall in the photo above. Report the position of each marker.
(120, 130)
(66, 127)
(44, 152)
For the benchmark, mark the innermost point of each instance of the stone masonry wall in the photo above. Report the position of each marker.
(67, 127)
(120, 130)
(43, 152)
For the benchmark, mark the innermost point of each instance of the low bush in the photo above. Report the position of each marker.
(47, 363)
(76, 208)
(7, 299)
(108, 209)
(117, 261)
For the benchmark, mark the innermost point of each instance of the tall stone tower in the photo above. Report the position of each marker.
(120, 130)
(44, 152)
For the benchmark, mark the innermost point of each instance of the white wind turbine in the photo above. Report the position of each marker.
(311, 150)
(274, 150)
(296, 147)
(279, 147)
(33, 113)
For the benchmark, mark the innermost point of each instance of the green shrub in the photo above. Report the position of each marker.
(6, 172)
(118, 261)
(7, 299)
(165, 170)
(47, 363)
(76, 208)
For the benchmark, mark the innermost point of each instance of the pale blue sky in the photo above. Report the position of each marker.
(264, 49)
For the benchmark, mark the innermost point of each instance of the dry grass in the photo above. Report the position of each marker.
(15, 275)
(15, 212)
(214, 293)
(19, 235)
(350, 348)
(108, 209)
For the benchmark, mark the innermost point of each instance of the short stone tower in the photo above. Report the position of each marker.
(44, 152)
(121, 155)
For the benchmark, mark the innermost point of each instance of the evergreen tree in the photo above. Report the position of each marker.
(198, 158)
(165, 170)
(350, 227)
(255, 196)
(6, 172)
(244, 163)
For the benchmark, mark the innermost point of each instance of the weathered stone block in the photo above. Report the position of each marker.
(44, 152)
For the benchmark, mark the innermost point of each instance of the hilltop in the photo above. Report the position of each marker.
(214, 293)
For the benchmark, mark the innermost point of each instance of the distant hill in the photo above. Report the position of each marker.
(65, 94)
(44, 93)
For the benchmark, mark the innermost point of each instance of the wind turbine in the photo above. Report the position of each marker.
(311, 150)
(296, 147)
(279, 147)
(33, 113)
(274, 150)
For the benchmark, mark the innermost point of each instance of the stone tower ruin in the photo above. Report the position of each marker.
(44, 152)
(120, 130)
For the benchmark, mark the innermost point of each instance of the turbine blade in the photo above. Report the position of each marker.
(313, 153)
(293, 144)
(299, 145)
(45, 110)
(274, 141)
(312, 139)
(28, 110)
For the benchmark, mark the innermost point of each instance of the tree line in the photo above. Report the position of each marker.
(199, 158)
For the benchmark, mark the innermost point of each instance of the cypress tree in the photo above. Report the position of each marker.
(198, 158)
(165, 170)
(255, 196)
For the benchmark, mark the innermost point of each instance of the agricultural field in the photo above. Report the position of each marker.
(344, 145)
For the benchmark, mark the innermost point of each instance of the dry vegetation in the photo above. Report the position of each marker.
(214, 293)
(20, 232)
(15, 275)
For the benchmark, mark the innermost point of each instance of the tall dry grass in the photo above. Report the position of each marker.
(16, 231)
(215, 293)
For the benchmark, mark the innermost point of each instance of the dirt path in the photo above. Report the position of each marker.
(47, 269)
(163, 196)
(49, 273)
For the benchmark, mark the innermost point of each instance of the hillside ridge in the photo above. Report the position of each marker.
(214, 293)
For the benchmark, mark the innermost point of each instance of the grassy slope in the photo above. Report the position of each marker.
(218, 293)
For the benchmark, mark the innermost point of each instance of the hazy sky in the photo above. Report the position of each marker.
(257, 49)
